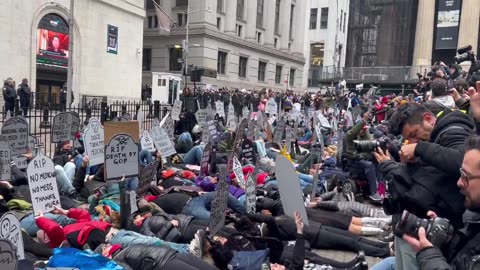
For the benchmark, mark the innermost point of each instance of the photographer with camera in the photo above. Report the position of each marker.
(463, 249)
(362, 160)
(431, 161)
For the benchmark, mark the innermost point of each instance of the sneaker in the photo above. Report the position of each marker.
(195, 246)
(77, 197)
(375, 197)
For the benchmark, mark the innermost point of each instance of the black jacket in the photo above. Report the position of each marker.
(144, 257)
(160, 226)
(24, 91)
(463, 252)
(9, 94)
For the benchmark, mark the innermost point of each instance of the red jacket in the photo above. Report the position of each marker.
(84, 226)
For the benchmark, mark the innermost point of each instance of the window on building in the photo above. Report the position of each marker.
(219, 23)
(313, 18)
(147, 59)
(155, 20)
(291, 80)
(182, 19)
(316, 54)
(242, 67)
(151, 5)
(240, 9)
(324, 18)
(260, 4)
(221, 62)
(292, 12)
(175, 59)
(277, 17)
(259, 37)
(278, 74)
(275, 43)
(220, 6)
(239, 30)
(181, 3)
(262, 68)
(341, 20)
(289, 46)
(150, 21)
(344, 21)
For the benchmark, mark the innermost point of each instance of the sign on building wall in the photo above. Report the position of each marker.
(112, 39)
(448, 21)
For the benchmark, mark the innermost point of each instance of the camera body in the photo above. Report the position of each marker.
(438, 230)
(368, 146)
(465, 54)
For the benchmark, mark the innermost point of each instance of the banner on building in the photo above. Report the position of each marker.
(448, 21)
(112, 39)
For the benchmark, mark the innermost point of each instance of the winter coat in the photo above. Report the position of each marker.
(144, 257)
(9, 94)
(441, 103)
(76, 259)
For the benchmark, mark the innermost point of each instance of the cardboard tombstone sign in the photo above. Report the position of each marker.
(238, 171)
(310, 112)
(205, 162)
(212, 129)
(240, 133)
(232, 118)
(15, 130)
(5, 160)
(148, 174)
(121, 157)
(251, 129)
(140, 119)
(247, 151)
(278, 132)
(155, 122)
(289, 187)
(162, 142)
(313, 194)
(176, 110)
(323, 120)
(271, 106)
(65, 126)
(10, 229)
(22, 161)
(146, 141)
(250, 194)
(230, 162)
(167, 125)
(220, 108)
(8, 255)
(246, 113)
(219, 203)
(201, 116)
(94, 142)
(288, 138)
(210, 111)
(43, 184)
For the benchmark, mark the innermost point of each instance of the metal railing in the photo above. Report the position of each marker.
(392, 74)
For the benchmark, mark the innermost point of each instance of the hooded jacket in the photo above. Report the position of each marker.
(438, 104)
(145, 257)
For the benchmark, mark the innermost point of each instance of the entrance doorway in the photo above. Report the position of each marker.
(48, 93)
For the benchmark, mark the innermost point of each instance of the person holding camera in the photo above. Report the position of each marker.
(362, 160)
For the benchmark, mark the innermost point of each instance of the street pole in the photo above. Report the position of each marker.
(185, 45)
(70, 55)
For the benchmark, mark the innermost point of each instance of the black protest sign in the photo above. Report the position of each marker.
(219, 204)
(230, 163)
(212, 129)
(239, 135)
(10, 229)
(4, 159)
(205, 159)
(65, 126)
(121, 157)
(251, 129)
(278, 133)
(148, 174)
(247, 151)
(43, 184)
(15, 130)
(8, 255)
(250, 194)
(94, 142)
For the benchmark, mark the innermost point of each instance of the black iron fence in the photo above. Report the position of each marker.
(40, 119)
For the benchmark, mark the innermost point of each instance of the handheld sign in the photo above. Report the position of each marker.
(147, 142)
(8, 255)
(43, 184)
(162, 142)
(205, 159)
(251, 198)
(201, 116)
(271, 106)
(177, 108)
(246, 113)
(278, 132)
(240, 133)
(94, 141)
(288, 138)
(65, 126)
(219, 203)
(323, 120)
(15, 130)
(148, 174)
(237, 170)
(247, 151)
(121, 157)
(212, 129)
(167, 125)
(220, 109)
(10, 229)
(5, 165)
(289, 187)
(231, 119)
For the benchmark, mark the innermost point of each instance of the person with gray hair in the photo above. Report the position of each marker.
(9, 95)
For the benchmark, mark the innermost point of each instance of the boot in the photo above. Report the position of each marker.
(376, 222)
(370, 231)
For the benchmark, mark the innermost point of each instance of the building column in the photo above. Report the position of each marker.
(269, 23)
(300, 23)
(285, 24)
(230, 17)
(422, 53)
(468, 31)
(251, 29)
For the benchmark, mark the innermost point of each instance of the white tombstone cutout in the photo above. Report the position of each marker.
(15, 129)
(5, 165)
(43, 184)
(121, 157)
(94, 142)
(323, 120)
(246, 113)
(250, 195)
(271, 106)
(288, 138)
(10, 229)
(65, 125)
(289, 187)
(147, 141)
(8, 255)
(237, 170)
(232, 118)
(176, 110)
(297, 107)
(220, 109)
(162, 142)
(201, 116)
(140, 119)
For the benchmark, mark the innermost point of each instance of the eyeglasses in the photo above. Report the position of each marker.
(467, 178)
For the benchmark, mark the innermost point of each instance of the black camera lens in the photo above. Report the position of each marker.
(366, 146)
(409, 224)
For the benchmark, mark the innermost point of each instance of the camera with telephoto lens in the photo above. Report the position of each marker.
(368, 146)
(465, 54)
(438, 230)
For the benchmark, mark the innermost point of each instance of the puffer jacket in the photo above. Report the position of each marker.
(160, 226)
(144, 257)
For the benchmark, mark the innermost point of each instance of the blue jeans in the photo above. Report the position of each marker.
(131, 184)
(144, 157)
(405, 256)
(30, 226)
(385, 264)
(194, 156)
(128, 238)
(371, 173)
(199, 207)
(184, 142)
(64, 176)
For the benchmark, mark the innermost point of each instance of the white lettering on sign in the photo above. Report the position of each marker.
(94, 142)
